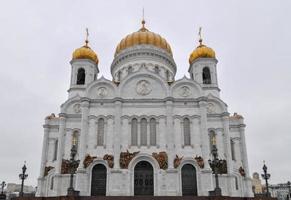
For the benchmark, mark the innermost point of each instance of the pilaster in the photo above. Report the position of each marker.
(117, 134)
(170, 133)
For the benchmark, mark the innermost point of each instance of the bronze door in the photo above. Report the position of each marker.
(143, 179)
(98, 182)
(189, 182)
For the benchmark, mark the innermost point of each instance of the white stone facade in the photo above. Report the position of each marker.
(143, 88)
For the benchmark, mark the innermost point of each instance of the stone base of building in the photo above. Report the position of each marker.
(144, 198)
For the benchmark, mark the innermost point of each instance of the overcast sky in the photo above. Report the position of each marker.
(252, 40)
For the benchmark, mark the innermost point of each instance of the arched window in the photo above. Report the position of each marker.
(206, 76)
(100, 132)
(143, 132)
(186, 127)
(55, 150)
(75, 139)
(134, 132)
(129, 69)
(212, 139)
(232, 148)
(157, 70)
(153, 132)
(81, 76)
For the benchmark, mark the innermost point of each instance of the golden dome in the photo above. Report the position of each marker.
(202, 51)
(85, 52)
(143, 36)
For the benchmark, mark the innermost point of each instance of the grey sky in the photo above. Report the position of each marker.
(251, 39)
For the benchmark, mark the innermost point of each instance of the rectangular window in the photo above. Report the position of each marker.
(232, 146)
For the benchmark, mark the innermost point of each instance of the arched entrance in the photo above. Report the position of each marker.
(189, 182)
(98, 182)
(143, 179)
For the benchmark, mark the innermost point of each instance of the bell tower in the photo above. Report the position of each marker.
(84, 68)
(202, 67)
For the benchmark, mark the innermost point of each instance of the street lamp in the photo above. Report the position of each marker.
(22, 176)
(2, 195)
(72, 166)
(214, 164)
(289, 189)
(266, 176)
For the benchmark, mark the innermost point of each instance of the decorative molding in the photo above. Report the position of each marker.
(143, 88)
(66, 167)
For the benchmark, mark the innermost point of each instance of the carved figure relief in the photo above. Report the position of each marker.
(102, 92)
(143, 87)
(177, 161)
(184, 91)
(125, 158)
(210, 108)
(200, 161)
(77, 108)
(162, 159)
(242, 171)
(47, 169)
(67, 167)
(110, 160)
(88, 160)
(51, 116)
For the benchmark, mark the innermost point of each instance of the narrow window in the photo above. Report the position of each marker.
(81, 76)
(236, 183)
(134, 132)
(153, 132)
(75, 139)
(55, 150)
(212, 140)
(100, 133)
(206, 76)
(186, 126)
(52, 183)
(143, 132)
(232, 148)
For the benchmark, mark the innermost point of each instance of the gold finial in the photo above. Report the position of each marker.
(213, 140)
(143, 21)
(87, 35)
(200, 35)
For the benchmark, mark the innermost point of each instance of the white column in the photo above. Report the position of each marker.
(220, 143)
(227, 146)
(170, 133)
(92, 133)
(44, 149)
(148, 133)
(138, 133)
(227, 151)
(117, 134)
(84, 130)
(244, 150)
(178, 133)
(204, 133)
(62, 126)
(196, 137)
(161, 134)
(110, 134)
(81, 177)
(125, 134)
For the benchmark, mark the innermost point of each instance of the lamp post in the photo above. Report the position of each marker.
(73, 163)
(289, 189)
(2, 195)
(214, 164)
(266, 176)
(22, 176)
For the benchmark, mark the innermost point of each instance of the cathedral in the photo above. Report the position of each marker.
(144, 132)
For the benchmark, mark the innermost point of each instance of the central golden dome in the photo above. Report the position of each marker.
(143, 36)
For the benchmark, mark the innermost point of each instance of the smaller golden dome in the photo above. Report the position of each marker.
(85, 52)
(202, 51)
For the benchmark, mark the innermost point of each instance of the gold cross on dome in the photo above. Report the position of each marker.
(87, 36)
(200, 35)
